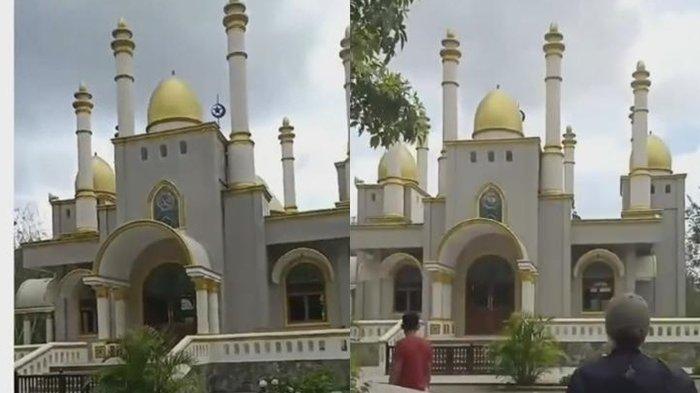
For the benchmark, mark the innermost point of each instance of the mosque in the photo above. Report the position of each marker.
(502, 236)
(182, 235)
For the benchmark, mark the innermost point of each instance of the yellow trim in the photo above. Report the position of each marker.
(507, 141)
(64, 238)
(481, 220)
(309, 213)
(199, 128)
(599, 255)
(164, 183)
(319, 265)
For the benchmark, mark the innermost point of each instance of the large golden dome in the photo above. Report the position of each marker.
(173, 101)
(659, 158)
(398, 156)
(103, 179)
(497, 111)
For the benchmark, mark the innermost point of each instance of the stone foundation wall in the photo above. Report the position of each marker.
(676, 354)
(244, 377)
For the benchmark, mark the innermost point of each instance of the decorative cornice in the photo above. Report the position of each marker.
(203, 127)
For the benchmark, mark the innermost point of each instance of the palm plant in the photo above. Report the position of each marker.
(528, 350)
(148, 367)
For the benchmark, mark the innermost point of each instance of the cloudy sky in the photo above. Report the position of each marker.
(501, 43)
(293, 70)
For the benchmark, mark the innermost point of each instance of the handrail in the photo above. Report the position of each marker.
(45, 358)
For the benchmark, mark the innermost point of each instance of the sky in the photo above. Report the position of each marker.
(501, 43)
(294, 70)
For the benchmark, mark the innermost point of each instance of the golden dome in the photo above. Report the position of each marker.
(407, 167)
(498, 112)
(173, 100)
(658, 155)
(103, 179)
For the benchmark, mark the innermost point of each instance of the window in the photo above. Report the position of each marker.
(407, 290)
(509, 156)
(668, 188)
(492, 156)
(598, 287)
(183, 147)
(653, 189)
(166, 207)
(144, 154)
(87, 306)
(374, 197)
(68, 213)
(163, 150)
(472, 156)
(306, 301)
(491, 205)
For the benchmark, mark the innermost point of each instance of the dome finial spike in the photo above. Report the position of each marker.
(172, 72)
(285, 121)
(498, 86)
(450, 33)
(121, 23)
(641, 66)
(553, 27)
(82, 87)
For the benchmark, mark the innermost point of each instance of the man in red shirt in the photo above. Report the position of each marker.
(412, 357)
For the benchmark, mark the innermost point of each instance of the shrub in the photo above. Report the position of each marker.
(527, 351)
(315, 382)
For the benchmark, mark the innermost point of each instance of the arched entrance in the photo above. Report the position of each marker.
(169, 303)
(490, 295)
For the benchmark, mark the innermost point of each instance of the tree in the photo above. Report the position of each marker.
(692, 257)
(382, 103)
(527, 351)
(27, 225)
(148, 367)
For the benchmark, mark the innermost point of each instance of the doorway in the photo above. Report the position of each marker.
(490, 295)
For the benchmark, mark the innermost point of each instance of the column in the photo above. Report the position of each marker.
(120, 296)
(104, 319)
(286, 138)
(552, 156)
(26, 330)
(213, 290)
(123, 48)
(440, 322)
(527, 273)
(49, 327)
(201, 286)
(422, 160)
(241, 166)
(85, 199)
(450, 56)
(441, 173)
(640, 179)
(569, 143)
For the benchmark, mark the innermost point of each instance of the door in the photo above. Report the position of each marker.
(490, 295)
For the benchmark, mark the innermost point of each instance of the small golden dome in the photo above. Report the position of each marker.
(103, 179)
(498, 112)
(173, 100)
(659, 157)
(406, 164)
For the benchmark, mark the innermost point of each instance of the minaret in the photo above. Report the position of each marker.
(640, 179)
(241, 166)
(343, 167)
(85, 199)
(123, 48)
(450, 56)
(569, 143)
(422, 161)
(552, 156)
(286, 138)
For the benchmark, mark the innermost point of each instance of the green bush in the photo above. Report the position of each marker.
(527, 351)
(316, 382)
(696, 369)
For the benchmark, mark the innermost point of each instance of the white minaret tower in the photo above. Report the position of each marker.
(241, 166)
(450, 56)
(422, 161)
(85, 199)
(123, 48)
(569, 143)
(343, 167)
(640, 179)
(286, 138)
(552, 156)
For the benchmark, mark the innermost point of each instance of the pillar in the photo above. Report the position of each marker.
(450, 56)
(527, 273)
(552, 156)
(213, 291)
(442, 172)
(422, 160)
(241, 165)
(104, 319)
(201, 286)
(640, 179)
(286, 138)
(26, 330)
(85, 199)
(123, 48)
(49, 327)
(569, 143)
(120, 296)
(440, 318)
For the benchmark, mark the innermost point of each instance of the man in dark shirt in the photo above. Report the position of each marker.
(626, 369)
(412, 357)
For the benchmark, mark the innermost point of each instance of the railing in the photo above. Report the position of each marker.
(329, 344)
(463, 359)
(368, 331)
(47, 355)
(55, 383)
(682, 330)
(24, 350)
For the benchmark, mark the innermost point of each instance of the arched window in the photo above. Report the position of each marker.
(87, 307)
(166, 207)
(407, 290)
(491, 205)
(306, 300)
(598, 284)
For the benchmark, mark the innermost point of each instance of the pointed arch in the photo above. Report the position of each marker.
(491, 203)
(163, 193)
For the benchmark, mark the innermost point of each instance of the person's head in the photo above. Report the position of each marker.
(410, 322)
(627, 321)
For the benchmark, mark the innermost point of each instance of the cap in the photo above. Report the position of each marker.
(627, 312)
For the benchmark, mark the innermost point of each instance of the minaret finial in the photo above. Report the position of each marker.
(172, 72)
(122, 23)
